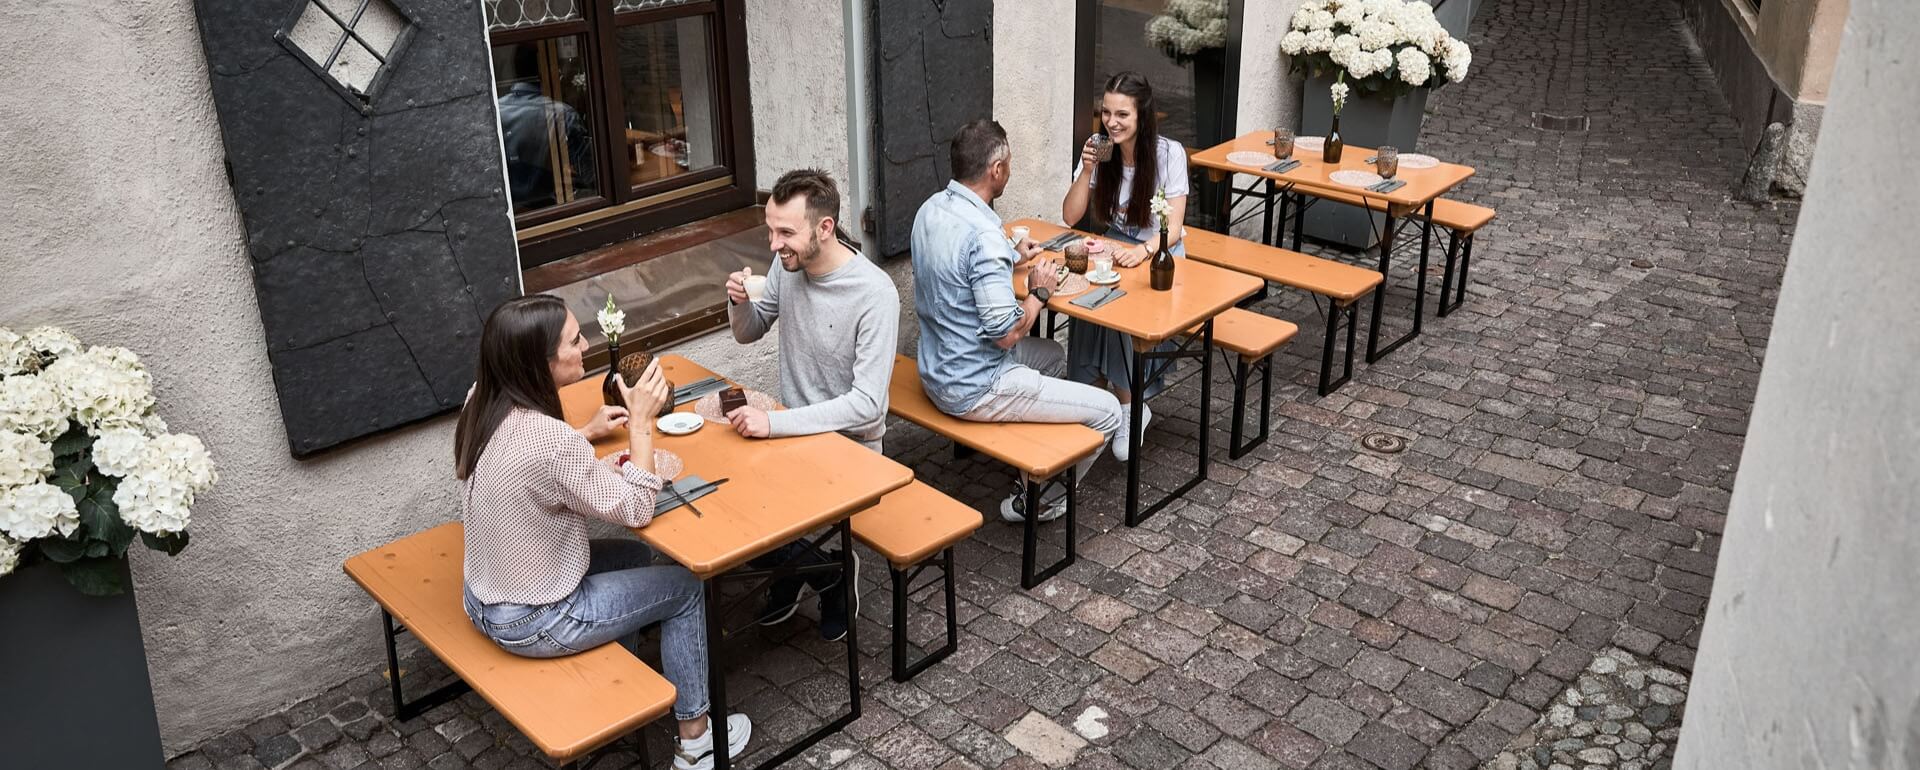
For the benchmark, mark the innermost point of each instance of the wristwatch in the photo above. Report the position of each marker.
(1042, 293)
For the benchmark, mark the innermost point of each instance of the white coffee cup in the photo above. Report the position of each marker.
(756, 287)
(1102, 267)
(1020, 235)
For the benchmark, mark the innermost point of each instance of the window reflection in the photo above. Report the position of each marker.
(545, 122)
(667, 74)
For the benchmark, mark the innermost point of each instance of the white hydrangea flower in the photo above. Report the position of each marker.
(1383, 60)
(103, 387)
(1456, 58)
(1322, 20)
(29, 404)
(1375, 35)
(1293, 42)
(1349, 14)
(9, 555)
(37, 510)
(1302, 18)
(184, 458)
(1319, 41)
(23, 459)
(16, 356)
(152, 425)
(52, 342)
(1344, 48)
(118, 451)
(157, 496)
(1415, 67)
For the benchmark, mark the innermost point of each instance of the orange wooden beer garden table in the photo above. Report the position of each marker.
(777, 491)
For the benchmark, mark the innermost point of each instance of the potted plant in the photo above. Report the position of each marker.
(1194, 32)
(86, 468)
(1382, 56)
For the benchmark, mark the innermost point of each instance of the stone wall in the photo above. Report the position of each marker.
(1807, 655)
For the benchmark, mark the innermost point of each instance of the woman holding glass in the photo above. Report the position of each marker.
(1118, 191)
(534, 583)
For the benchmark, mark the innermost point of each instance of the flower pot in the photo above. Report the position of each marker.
(1366, 123)
(74, 671)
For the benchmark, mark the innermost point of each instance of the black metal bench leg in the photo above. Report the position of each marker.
(1447, 303)
(1352, 313)
(1031, 535)
(404, 710)
(1242, 379)
(902, 592)
(1466, 266)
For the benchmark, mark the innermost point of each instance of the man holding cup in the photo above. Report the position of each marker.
(842, 318)
(977, 360)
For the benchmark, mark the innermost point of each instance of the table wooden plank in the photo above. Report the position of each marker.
(1200, 291)
(778, 489)
(1313, 174)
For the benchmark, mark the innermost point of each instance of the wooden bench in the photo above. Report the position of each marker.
(566, 706)
(1039, 451)
(1460, 219)
(1253, 337)
(1342, 284)
(910, 527)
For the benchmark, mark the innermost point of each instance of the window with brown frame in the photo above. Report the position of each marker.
(619, 117)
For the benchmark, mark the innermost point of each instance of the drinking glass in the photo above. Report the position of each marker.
(1386, 161)
(1102, 147)
(1282, 143)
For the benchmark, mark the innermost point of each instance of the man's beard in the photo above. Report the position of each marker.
(801, 258)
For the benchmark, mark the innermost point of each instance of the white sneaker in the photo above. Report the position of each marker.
(1120, 448)
(697, 754)
(1052, 506)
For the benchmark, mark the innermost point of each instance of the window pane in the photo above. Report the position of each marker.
(514, 14)
(641, 5)
(666, 71)
(546, 122)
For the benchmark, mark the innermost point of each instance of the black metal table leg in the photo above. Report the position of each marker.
(1374, 351)
(1030, 576)
(716, 675)
(1138, 378)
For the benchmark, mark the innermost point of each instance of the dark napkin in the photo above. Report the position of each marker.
(675, 496)
(694, 391)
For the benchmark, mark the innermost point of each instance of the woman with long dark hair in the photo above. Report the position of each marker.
(534, 583)
(1119, 194)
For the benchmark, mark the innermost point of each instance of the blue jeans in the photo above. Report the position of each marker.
(622, 593)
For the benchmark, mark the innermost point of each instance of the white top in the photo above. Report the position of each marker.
(1170, 175)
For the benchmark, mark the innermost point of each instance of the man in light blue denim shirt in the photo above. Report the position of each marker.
(976, 360)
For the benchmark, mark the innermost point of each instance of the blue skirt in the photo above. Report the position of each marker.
(1095, 352)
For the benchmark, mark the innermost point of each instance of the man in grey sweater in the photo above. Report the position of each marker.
(836, 348)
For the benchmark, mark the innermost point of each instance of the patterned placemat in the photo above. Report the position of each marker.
(709, 405)
(1073, 284)
(1354, 178)
(667, 465)
(1250, 158)
(1414, 160)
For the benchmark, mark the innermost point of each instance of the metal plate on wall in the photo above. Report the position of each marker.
(933, 72)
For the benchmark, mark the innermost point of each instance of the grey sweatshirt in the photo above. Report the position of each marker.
(836, 349)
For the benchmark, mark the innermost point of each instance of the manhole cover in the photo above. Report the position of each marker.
(1546, 122)
(1384, 443)
(1642, 264)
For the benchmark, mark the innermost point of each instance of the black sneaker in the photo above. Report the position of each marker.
(834, 614)
(783, 599)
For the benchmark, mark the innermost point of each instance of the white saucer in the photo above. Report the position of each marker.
(1104, 280)
(680, 423)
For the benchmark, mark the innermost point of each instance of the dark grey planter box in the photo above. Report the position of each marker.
(1365, 123)
(73, 676)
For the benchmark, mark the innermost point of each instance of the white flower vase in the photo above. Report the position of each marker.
(1366, 122)
(75, 672)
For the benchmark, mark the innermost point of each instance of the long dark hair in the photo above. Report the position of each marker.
(1146, 155)
(520, 336)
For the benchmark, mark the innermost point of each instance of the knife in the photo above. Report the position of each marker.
(686, 497)
(691, 386)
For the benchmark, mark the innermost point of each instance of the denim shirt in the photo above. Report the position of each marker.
(963, 293)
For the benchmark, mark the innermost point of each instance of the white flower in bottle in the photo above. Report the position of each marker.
(118, 451)
(9, 555)
(1339, 93)
(103, 387)
(37, 510)
(16, 356)
(23, 459)
(52, 342)
(613, 321)
(29, 404)
(1159, 206)
(1415, 67)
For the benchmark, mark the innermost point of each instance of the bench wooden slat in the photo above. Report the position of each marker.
(1342, 282)
(566, 706)
(914, 523)
(1252, 335)
(1461, 216)
(1039, 450)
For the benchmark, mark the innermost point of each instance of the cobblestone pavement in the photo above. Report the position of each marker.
(1573, 434)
